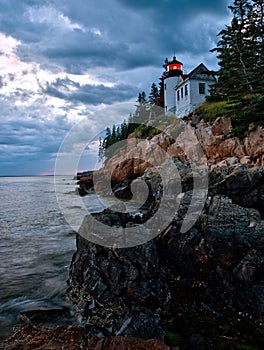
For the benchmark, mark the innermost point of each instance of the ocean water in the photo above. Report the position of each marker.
(36, 244)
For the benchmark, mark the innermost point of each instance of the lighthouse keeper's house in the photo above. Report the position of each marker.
(184, 92)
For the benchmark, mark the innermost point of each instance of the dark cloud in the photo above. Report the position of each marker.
(90, 94)
(121, 42)
(121, 34)
(29, 140)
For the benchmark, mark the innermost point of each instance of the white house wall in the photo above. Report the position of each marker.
(188, 103)
(183, 104)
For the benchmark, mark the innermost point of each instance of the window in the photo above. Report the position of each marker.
(186, 90)
(178, 95)
(181, 92)
(201, 88)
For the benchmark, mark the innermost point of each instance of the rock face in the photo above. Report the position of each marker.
(117, 291)
(224, 251)
(121, 291)
(218, 145)
(245, 186)
(220, 150)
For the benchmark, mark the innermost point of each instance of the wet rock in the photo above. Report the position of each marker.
(117, 291)
(123, 190)
(245, 186)
(86, 184)
(229, 225)
(252, 264)
(120, 291)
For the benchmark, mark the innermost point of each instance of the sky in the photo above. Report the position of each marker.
(64, 64)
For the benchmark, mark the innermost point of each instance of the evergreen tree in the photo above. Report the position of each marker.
(142, 111)
(161, 92)
(240, 49)
(154, 94)
(101, 149)
(107, 139)
(123, 130)
(165, 64)
(241, 59)
(256, 41)
(161, 84)
(113, 135)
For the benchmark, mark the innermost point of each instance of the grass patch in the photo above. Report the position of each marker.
(211, 110)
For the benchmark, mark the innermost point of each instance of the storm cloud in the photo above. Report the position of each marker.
(61, 60)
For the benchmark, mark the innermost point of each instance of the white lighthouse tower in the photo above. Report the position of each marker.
(174, 71)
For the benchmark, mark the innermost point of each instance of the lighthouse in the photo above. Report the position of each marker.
(172, 74)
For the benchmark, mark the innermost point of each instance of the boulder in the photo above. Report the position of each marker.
(254, 143)
(245, 160)
(222, 126)
(245, 186)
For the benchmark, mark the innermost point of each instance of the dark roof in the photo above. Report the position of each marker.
(201, 66)
(184, 76)
(174, 61)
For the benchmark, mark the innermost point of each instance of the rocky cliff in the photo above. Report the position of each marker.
(220, 148)
(216, 267)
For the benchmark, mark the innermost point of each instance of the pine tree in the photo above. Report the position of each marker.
(143, 99)
(142, 112)
(154, 94)
(165, 64)
(241, 50)
(232, 49)
(161, 92)
(123, 130)
(113, 135)
(106, 142)
(256, 40)
(241, 53)
(101, 149)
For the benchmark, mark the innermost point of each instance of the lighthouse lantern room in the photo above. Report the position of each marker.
(174, 68)
(173, 72)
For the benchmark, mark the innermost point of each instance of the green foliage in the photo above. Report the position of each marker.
(111, 145)
(172, 339)
(211, 110)
(245, 112)
(154, 94)
(147, 131)
(240, 50)
(241, 59)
